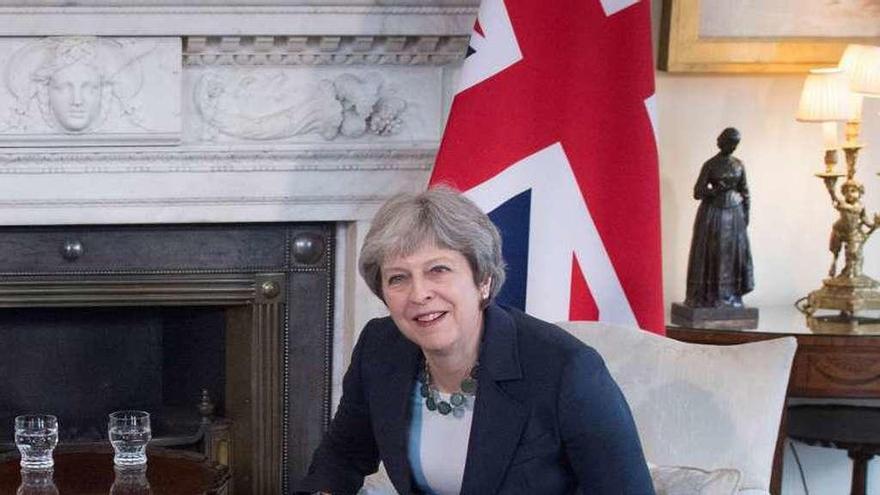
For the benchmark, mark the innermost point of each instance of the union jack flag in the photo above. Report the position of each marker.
(551, 133)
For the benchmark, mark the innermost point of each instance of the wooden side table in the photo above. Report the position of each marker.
(831, 364)
(852, 428)
(90, 470)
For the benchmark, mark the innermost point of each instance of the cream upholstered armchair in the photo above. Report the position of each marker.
(708, 416)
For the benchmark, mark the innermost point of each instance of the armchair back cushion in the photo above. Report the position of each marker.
(704, 406)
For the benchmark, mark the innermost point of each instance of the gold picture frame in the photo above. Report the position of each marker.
(683, 49)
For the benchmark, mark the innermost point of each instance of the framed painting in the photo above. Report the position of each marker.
(763, 35)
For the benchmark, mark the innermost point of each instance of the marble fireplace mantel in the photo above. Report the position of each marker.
(177, 152)
(200, 111)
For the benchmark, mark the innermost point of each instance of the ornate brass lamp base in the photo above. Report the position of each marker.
(850, 291)
(846, 294)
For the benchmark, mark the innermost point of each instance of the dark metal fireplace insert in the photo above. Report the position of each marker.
(169, 318)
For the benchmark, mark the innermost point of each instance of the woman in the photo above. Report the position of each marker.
(458, 395)
(720, 261)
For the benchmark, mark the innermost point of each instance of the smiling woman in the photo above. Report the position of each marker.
(435, 302)
(456, 394)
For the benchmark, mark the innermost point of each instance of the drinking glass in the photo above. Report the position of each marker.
(129, 434)
(36, 436)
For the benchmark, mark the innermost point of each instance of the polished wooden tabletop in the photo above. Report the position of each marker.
(90, 471)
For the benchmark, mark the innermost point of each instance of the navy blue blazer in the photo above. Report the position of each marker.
(548, 417)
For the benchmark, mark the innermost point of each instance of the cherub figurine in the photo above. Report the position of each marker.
(851, 230)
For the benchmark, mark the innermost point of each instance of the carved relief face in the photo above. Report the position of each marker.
(75, 96)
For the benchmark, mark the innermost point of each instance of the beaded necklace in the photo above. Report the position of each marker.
(457, 401)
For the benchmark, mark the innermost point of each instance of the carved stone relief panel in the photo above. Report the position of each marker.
(90, 91)
(316, 104)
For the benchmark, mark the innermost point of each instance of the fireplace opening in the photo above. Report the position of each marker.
(104, 317)
(80, 364)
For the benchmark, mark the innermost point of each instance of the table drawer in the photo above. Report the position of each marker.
(843, 371)
(825, 365)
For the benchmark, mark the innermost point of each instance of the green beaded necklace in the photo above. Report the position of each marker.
(457, 401)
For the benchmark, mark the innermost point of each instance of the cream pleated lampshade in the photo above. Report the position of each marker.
(861, 63)
(825, 97)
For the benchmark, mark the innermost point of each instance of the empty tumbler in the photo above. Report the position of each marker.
(36, 436)
(129, 433)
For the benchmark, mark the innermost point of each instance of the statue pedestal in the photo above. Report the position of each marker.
(726, 317)
(847, 294)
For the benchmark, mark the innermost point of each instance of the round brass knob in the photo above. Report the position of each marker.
(270, 289)
(72, 250)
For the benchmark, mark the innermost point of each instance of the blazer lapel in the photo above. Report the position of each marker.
(391, 401)
(498, 418)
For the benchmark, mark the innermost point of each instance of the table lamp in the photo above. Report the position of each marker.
(829, 96)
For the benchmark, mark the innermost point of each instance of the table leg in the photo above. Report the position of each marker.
(860, 471)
